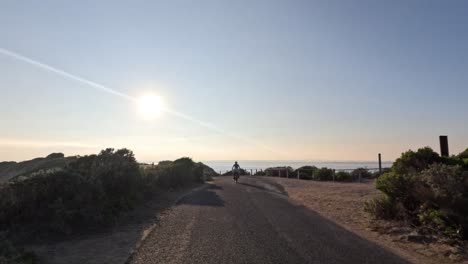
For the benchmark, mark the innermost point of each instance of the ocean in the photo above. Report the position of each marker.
(224, 165)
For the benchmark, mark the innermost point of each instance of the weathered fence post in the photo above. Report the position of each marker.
(298, 176)
(380, 164)
(444, 147)
(279, 173)
(251, 172)
(287, 173)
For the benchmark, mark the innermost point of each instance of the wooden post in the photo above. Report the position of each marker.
(287, 173)
(279, 173)
(251, 172)
(333, 175)
(444, 147)
(380, 164)
(298, 174)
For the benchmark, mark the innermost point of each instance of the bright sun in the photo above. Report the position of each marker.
(150, 106)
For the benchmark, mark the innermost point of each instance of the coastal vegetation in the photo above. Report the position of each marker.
(85, 193)
(318, 174)
(427, 191)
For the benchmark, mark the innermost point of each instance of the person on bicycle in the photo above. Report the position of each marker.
(235, 170)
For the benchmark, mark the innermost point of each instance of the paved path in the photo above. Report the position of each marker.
(252, 222)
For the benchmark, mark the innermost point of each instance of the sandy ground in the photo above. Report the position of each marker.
(343, 204)
(114, 245)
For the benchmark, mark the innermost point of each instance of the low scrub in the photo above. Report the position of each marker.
(431, 193)
(91, 191)
(173, 174)
(319, 174)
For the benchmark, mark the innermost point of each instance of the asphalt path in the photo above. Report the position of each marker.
(252, 222)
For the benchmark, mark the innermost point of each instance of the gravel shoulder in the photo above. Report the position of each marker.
(342, 203)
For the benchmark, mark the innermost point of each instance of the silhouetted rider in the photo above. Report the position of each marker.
(235, 170)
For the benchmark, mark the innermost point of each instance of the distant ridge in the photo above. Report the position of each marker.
(12, 169)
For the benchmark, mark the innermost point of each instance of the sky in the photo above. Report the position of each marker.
(243, 80)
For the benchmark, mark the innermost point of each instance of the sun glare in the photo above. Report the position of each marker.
(150, 106)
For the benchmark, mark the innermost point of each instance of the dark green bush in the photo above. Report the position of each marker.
(175, 174)
(436, 199)
(324, 174)
(55, 156)
(381, 207)
(444, 198)
(275, 172)
(361, 173)
(343, 176)
(411, 161)
(306, 172)
(463, 154)
(91, 191)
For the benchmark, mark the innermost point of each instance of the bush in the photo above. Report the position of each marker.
(176, 174)
(381, 207)
(463, 154)
(55, 156)
(274, 172)
(91, 191)
(411, 162)
(435, 199)
(362, 173)
(343, 176)
(306, 172)
(324, 174)
(444, 199)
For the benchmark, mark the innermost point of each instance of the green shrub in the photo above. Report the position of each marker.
(398, 188)
(444, 197)
(275, 172)
(91, 191)
(463, 154)
(343, 176)
(411, 162)
(176, 174)
(324, 174)
(361, 173)
(306, 172)
(436, 199)
(381, 207)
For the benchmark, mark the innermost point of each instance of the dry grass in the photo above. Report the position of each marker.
(343, 204)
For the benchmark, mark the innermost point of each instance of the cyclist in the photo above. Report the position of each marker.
(235, 170)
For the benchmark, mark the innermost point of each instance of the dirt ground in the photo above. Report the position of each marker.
(114, 245)
(343, 204)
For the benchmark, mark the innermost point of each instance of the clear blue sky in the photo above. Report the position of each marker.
(340, 80)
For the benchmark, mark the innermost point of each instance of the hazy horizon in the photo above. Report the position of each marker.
(237, 80)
